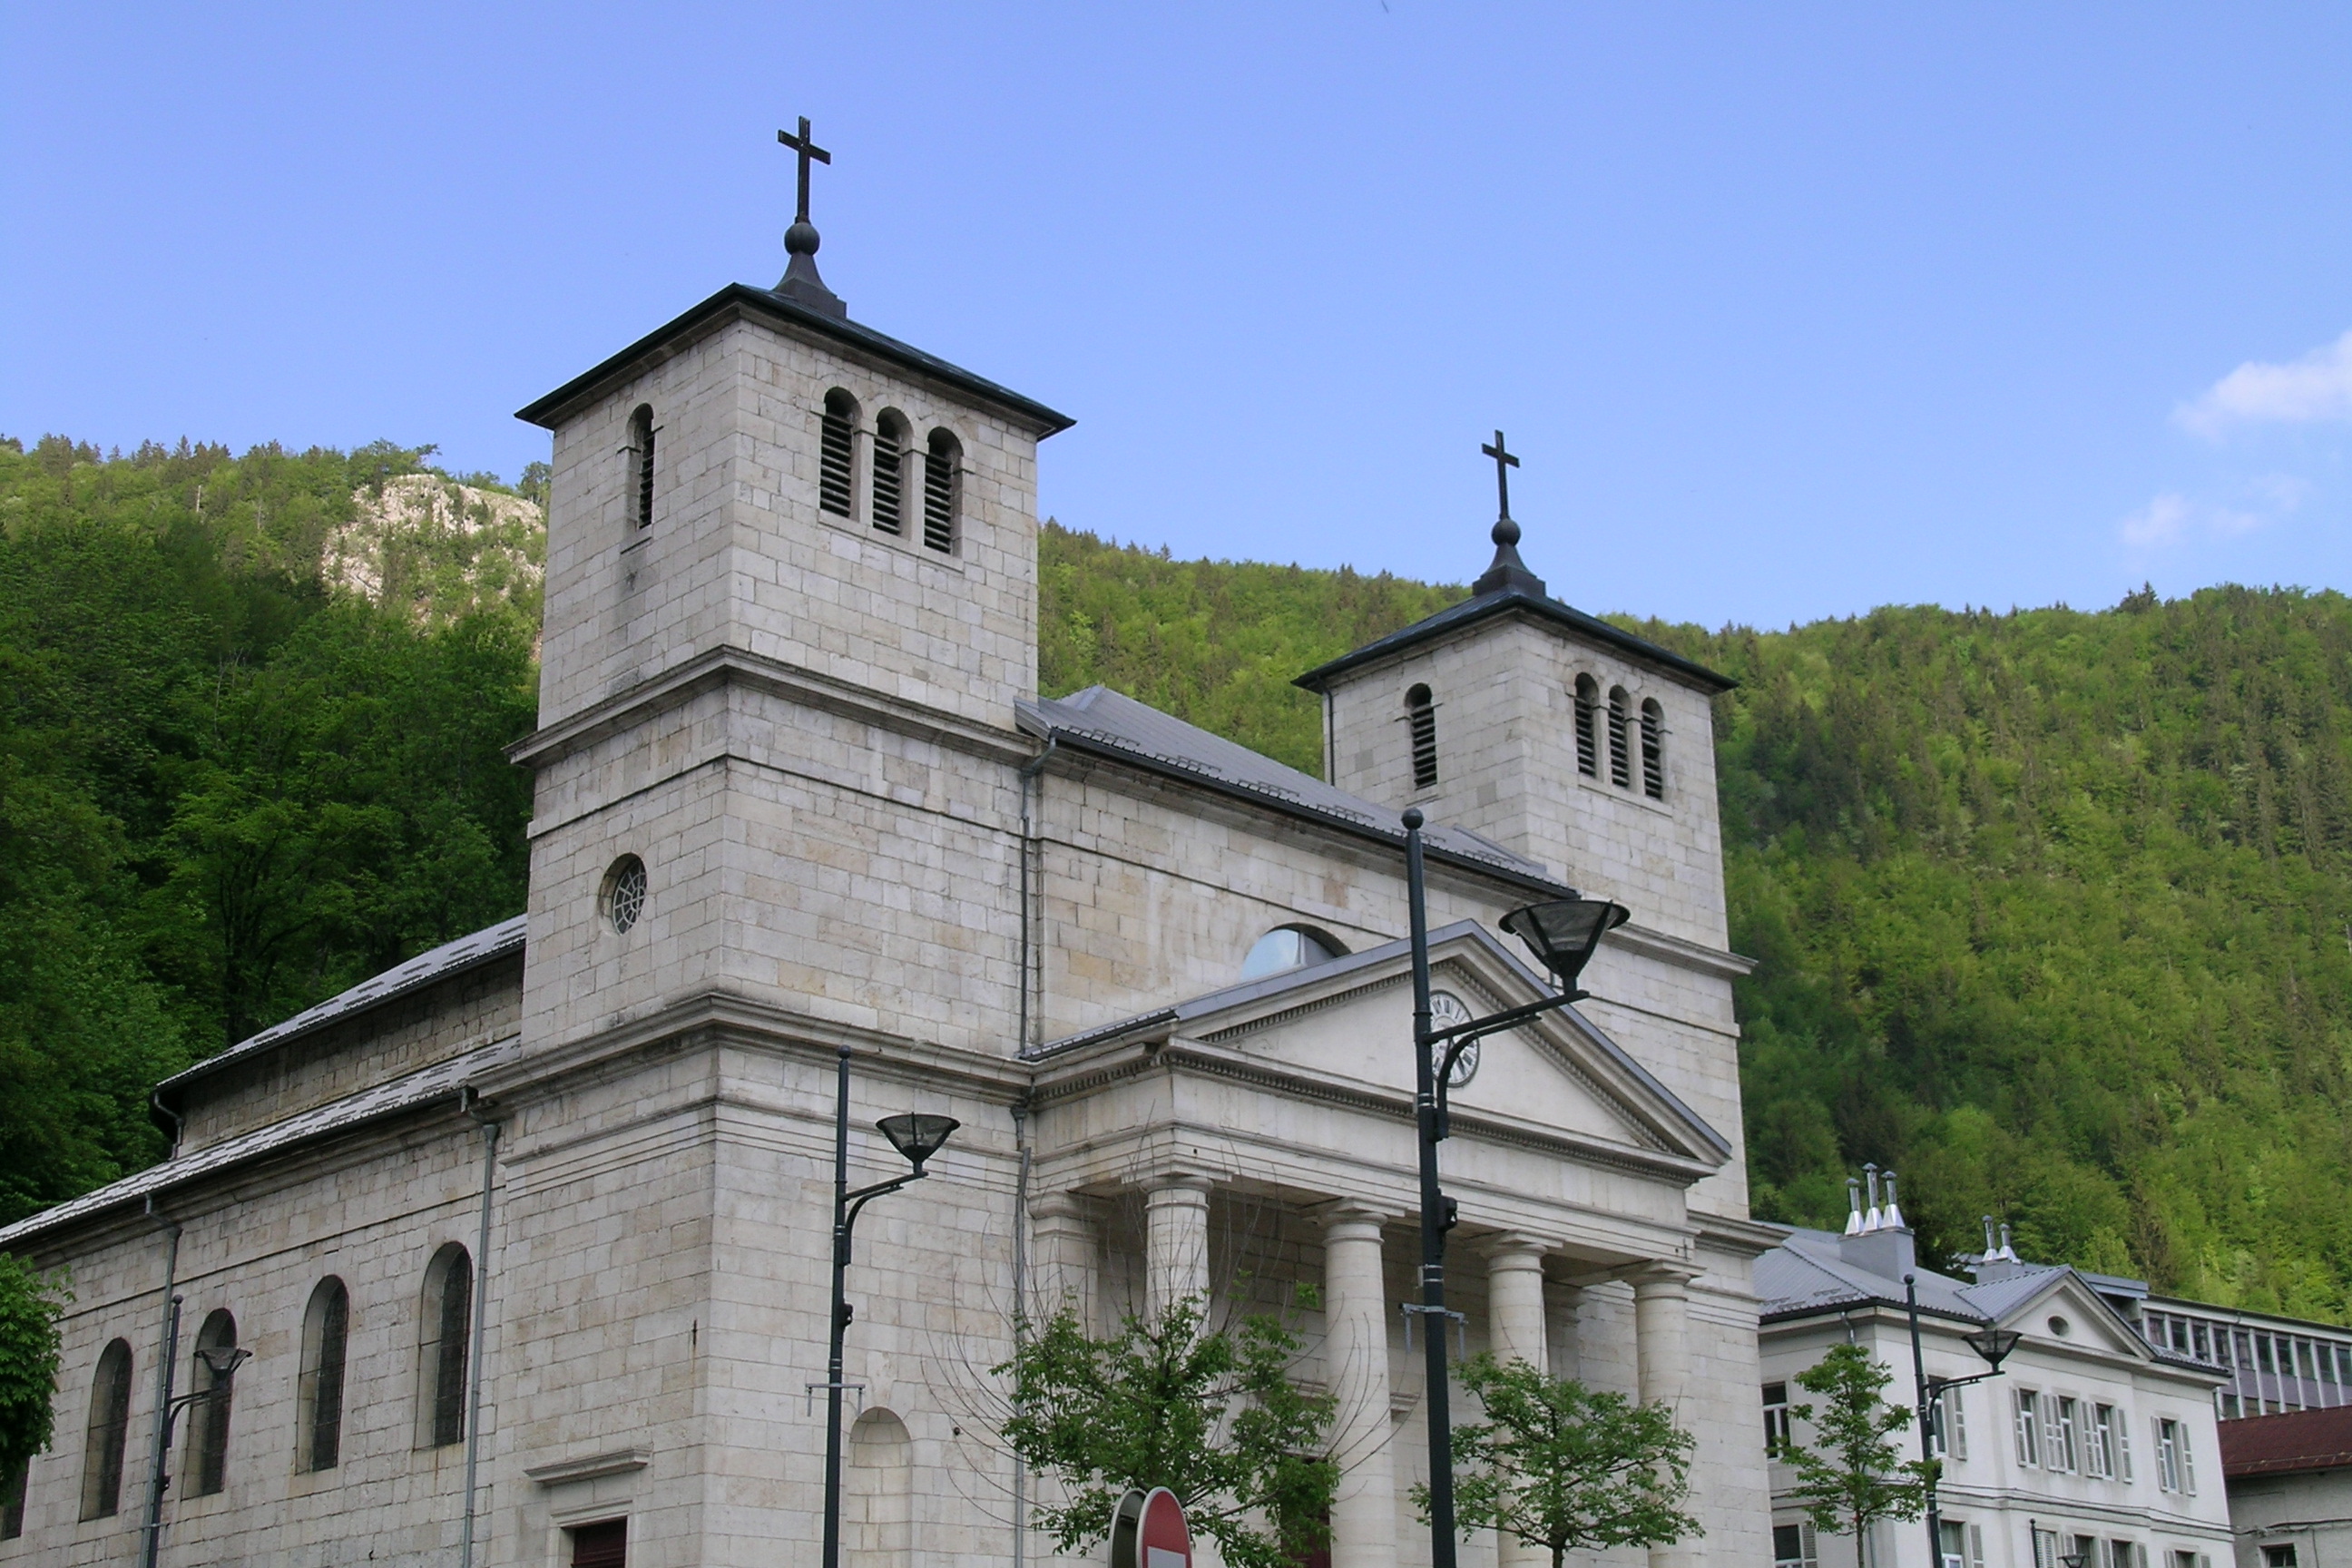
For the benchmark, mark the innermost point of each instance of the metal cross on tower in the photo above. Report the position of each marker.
(805, 145)
(1504, 461)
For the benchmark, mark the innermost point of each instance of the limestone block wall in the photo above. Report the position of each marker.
(742, 554)
(371, 1212)
(431, 1025)
(1505, 692)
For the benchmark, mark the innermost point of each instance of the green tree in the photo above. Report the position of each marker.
(30, 1306)
(1212, 1416)
(1566, 1468)
(1856, 1477)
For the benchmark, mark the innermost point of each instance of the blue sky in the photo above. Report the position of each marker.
(1791, 310)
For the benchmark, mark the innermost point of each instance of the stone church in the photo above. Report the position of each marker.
(528, 1239)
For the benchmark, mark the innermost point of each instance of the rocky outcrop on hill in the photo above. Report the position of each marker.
(440, 547)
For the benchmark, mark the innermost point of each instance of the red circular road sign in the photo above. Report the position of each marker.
(1148, 1532)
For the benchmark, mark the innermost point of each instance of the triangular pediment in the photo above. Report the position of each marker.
(1348, 1024)
(2061, 1308)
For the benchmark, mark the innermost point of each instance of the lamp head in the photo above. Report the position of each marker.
(222, 1361)
(2072, 1559)
(1564, 932)
(1994, 1344)
(918, 1136)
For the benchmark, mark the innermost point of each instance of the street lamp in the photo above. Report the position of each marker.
(1992, 1345)
(918, 1137)
(222, 1362)
(1563, 934)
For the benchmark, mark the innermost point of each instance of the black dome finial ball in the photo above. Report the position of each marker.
(800, 239)
(1506, 532)
(1412, 817)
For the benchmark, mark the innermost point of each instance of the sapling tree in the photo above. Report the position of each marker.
(1855, 1476)
(1212, 1416)
(1566, 1468)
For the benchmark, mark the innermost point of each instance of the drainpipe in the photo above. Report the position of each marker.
(1030, 771)
(1019, 1314)
(169, 1339)
(466, 1101)
(178, 1127)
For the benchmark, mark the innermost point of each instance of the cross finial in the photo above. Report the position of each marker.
(1504, 463)
(805, 145)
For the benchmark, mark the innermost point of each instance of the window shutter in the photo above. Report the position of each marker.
(2163, 1455)
(2054, 1437)
(2021, 1413)
(1956, 1422)
(2122, 1445)
(2187, 1451)
(1976, 1546)
(602, 1545)
(1812, 1548)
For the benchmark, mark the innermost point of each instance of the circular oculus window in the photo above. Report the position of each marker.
(2061, 1327)
(625, 893)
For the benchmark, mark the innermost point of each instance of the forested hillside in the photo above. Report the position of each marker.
(2054, 908)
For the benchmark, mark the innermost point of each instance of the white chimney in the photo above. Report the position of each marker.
(1871, 1219)
(1853, 1203)
(1893, 1217)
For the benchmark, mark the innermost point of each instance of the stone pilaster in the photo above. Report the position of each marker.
(1063, 1266)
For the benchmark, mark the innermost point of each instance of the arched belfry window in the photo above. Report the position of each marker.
(319, 1396)
(890, 434)
(1654, 748)
(207, 1466)
(836, 456)
(1421, 725)
(1587, 720)
(1620, 765)
(942, 490)
(447, 1327)
(108, 1429)
(641, 464)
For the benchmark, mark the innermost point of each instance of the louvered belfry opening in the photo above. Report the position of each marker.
(889, 471)
(1421, 722)
(605, 1545)
(1588, 740)
(837, 459)
(942, 483)
(1620, 765)
(641, 447)
(1654, 748)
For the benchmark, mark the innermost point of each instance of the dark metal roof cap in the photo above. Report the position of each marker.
(1515, 596)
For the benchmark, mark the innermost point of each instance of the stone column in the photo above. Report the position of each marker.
(1356, 1367)
(1175, 1242)
(1062, 1257)
(1514, 1330)
(1662, 1352)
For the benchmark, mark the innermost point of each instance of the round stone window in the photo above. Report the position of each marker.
(2061, 1327)
(625, 893)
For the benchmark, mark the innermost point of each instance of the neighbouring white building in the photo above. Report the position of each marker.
(549, 1207)
(2091, 1443)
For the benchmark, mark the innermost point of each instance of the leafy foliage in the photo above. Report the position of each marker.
(30, 1307)
(1566, 1468)
(1855, 1477)
(1211, 1416)
(226, 792)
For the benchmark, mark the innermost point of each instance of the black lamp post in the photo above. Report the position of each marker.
(222, 1362)
(918, 1137)
(1993, 1344)
(1563, 934)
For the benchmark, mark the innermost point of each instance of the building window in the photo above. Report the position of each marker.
(2279, 1556)
(2099, 1446)
(942, 490)
(103, 1436)
(602, 1545)
(2124, 1555)
(1794, 1546)
(836, 456)
(446, 1320)
(319, 1397)
(889, 473)
(2065, 1454)
(623, 893)
(1588, 715)
(1654, 748)
(1777, 1431)
(209, 1416)
(1951, 1425)
(641, 464)
(1421, 722)
(1289, 947)
(1952, 1540)
(2028, 1407)
(12, 1501)
(1621, 767)
(2175, 1464)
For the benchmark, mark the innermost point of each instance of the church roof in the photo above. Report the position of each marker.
(426, 969)
(440, 1081)
(1111, 724)
(1514, 597)
(744, 299)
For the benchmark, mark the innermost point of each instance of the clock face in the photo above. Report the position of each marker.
(1445, 1011)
